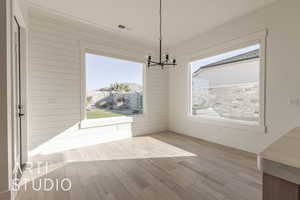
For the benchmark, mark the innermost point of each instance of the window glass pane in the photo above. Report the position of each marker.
(227, 85)
(114, 87)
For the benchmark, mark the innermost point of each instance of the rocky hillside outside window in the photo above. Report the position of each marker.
(226, 86)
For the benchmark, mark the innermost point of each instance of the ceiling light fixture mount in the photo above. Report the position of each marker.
(162, 61)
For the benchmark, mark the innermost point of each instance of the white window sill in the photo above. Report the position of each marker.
(230, 123)
(110, 121)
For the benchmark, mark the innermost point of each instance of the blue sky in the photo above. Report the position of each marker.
(102, 71)
(200, 63)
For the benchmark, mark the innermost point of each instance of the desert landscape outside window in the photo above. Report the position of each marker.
(114, 87)
(226, 86)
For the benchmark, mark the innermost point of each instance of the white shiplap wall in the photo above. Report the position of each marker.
(54, 77)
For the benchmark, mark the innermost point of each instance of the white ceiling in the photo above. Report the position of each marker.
(182, 19)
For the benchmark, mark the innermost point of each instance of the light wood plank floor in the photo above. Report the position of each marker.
(162, 166)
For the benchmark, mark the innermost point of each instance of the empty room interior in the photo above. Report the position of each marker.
(150, 100)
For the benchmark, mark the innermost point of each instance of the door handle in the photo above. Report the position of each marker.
(21, 114)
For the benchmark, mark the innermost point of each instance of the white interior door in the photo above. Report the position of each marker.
(17, 101)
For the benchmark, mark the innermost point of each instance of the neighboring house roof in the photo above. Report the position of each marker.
(246, 56)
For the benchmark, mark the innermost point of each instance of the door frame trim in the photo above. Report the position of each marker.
(19, 95)
(24, 63)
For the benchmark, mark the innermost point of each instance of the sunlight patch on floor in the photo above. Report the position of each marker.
(80, 138)
(131, 148)
(144, 147)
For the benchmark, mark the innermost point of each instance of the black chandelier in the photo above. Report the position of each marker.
(162, 61)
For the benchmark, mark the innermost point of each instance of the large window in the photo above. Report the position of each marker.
(226, 86)
(114, 87)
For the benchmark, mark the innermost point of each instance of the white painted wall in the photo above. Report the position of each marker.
(282, 77)
(54, 77)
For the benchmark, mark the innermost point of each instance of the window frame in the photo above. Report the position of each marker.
(251, 39)
(112, 53)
